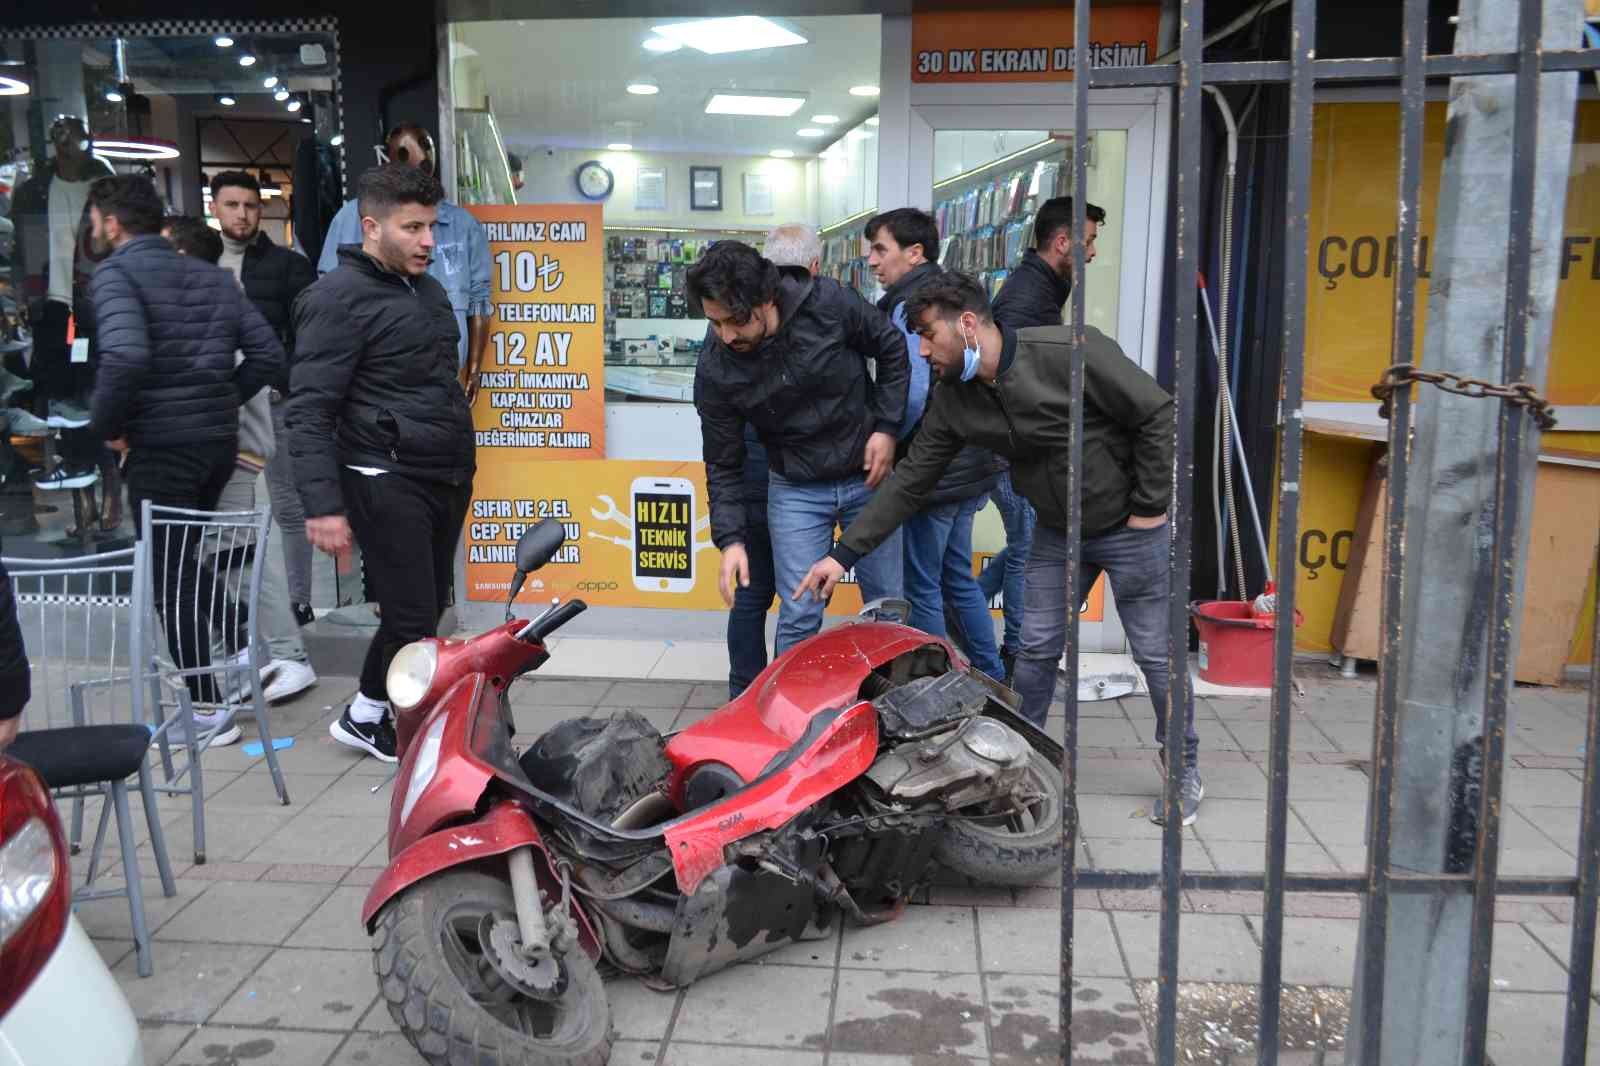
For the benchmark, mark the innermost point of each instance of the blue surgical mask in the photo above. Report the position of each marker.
(970, 356)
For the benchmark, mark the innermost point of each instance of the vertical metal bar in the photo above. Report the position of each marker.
(1514, 422)
(1297, 213)
(1413, 102)
(1186, 358)
(1069, 761)
(1580, 969)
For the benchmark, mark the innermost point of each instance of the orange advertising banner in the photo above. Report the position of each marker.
(1036, 45)
(638, 535)
(542, 385)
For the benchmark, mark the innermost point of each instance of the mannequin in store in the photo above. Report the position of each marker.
(52, 263)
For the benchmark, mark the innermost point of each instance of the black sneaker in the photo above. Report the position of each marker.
(1190, 793)
(374, 738)
(65, 478)
(303, 614)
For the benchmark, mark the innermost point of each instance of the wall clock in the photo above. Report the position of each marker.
(595, 182)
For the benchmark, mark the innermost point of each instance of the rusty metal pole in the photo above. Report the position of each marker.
(1470, 468)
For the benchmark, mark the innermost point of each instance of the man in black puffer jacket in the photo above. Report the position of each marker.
(786, 353)
(167, 391)
(379, 429)
(903, 250)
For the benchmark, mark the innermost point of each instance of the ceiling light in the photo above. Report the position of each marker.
(281, 95)
(269, 82)
(745, 33)
(782, 153)
(765, 106)
(811, 131)
(873, 121)
(139, 149)
(114, 96)
(336, 140)
(824, 120)
(12, 86)
(224, 42)
(248, 60)
(643, 88)
(620, 146)
(662, 44)
(226, 101)
(293, 105)
(863, 90)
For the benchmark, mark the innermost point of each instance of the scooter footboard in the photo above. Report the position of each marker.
(503, 829)
(736, 915)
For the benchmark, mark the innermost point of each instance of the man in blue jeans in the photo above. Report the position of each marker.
(903, 251)
(786, 354)
(1008, 390)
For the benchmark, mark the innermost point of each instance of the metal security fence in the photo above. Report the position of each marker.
(1382, 885)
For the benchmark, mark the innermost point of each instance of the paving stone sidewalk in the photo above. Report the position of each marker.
(261, 955)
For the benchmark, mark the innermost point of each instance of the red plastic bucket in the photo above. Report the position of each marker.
(1235, 645)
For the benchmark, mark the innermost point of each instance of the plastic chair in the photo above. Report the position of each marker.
(84, 730)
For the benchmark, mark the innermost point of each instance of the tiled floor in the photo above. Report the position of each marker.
(261, 956)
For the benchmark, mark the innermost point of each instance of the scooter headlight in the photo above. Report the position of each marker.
(411, 674)
(425, 764)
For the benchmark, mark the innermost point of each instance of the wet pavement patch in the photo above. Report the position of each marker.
(922, 1022)
(237, 1054)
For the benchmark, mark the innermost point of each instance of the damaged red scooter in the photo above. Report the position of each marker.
(855, 765)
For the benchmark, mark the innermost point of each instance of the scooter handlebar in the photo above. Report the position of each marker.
(556, 619)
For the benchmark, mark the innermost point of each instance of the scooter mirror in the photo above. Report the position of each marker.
(538, 544)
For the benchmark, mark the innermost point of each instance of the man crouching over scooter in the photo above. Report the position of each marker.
(1007, 390)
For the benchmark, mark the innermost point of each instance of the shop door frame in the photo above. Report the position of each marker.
(1145, 116)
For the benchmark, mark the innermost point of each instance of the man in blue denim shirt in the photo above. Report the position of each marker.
(460, 260)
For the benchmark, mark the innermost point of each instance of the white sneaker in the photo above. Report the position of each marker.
(227, 736)
(289, 679)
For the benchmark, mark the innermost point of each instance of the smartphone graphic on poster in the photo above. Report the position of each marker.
(663, 534)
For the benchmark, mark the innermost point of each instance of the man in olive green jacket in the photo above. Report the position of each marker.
(1007, 390)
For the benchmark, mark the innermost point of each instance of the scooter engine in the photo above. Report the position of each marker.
(978, 760)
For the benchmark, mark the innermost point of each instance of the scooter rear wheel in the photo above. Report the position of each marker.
(1008, 844)
(445, 993)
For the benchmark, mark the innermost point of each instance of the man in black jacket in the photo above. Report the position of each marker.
(167, 391)
(786, 353)
(1033, 295)
(15, 680)
(903, 250)
(1017, 403)
(379, 429)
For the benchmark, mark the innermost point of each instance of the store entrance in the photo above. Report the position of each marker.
(984, 170)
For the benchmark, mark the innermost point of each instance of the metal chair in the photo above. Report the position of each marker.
(201, 608)
(84, 730)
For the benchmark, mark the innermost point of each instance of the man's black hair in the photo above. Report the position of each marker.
(130, 199)
(948, 295)
(193, 237)
(908, 226)
(1055, 215)
(514, 162)
(736, 276)
(382, 189)
(237, 179)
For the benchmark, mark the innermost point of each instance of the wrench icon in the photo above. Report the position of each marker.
(611, 514)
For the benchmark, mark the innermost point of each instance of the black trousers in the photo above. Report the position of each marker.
(193, 477)
(407, 529)
(57, 377)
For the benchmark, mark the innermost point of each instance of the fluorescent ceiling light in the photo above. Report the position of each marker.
(281, 95)
(226, 101)
(782, 153)
(250, 61)
(811, 131)
(864, 90)
(337, 140)
(643, 88)
(873, 121)
(293, 105)
(662, 44)
(824, 120)
(746, 33)
(619, 147)
(113, 96)
(224, 42)
(764, 106)
(270, 82)
(139, 149)
(12, 86)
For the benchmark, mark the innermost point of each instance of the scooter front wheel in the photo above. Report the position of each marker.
(447, 993)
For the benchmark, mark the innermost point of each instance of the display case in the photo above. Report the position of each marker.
(483, 176)
(653, 335)
(985, 216)
(844, 258)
